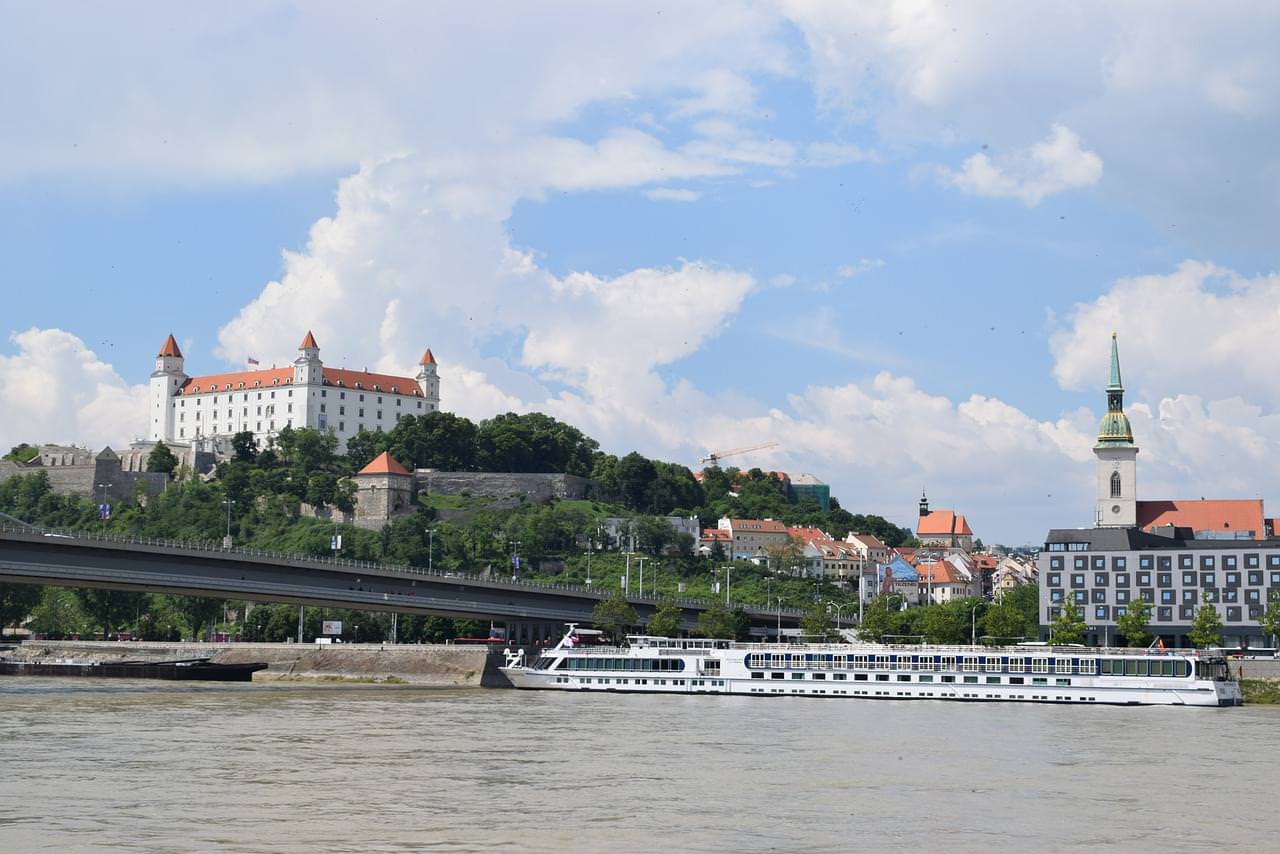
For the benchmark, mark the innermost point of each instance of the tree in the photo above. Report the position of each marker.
(877, 618)
(1270, 620)
(719, 622)
(244, 446)
(1005, 621)
(16, 603)
(200, 612)
(1206, 628)
(1068, 626)
(614, 616)
(1132, 624)
(666, 619)
(59, 615)
(109, 609)
(22, 453)
(817, 622)
(161, 459)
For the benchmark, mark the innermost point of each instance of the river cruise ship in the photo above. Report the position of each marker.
(1030, 674)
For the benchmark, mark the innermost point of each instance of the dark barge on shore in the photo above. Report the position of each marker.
(192, 668)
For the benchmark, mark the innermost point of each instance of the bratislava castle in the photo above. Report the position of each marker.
(208, 410)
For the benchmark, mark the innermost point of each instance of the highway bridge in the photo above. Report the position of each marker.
(531, 612)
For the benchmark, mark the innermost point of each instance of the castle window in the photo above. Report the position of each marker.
(275, 382)
(419, 404)
(1115, 484)
(377, 387)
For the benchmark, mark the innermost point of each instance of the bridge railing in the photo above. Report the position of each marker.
(214, 546)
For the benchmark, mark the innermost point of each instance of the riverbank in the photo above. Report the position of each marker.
(1260, 692)
(426, 665)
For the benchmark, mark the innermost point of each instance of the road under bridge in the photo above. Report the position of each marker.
(531, 612)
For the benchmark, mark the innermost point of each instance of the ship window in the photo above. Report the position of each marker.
(859, 677)
(1062, 665)
(926, 678)
(1015, 680)
(882, 677)
(993, 680)
(1039, 665)
(948, 678)
(969, 680)
(992, 664)
(1131, 667)
(1087, 666)
(1063, 681)
(777, 675)
(904, 677)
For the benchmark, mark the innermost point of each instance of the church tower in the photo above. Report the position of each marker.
(166, 379)
(1117, 488)
(428, 381)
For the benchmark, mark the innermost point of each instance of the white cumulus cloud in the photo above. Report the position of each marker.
(1048, 167)
(55, 389)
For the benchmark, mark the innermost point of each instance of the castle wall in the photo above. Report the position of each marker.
(537, 487)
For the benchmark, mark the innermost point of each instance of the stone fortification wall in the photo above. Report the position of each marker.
(435, 665)
(83, 480)
(538, 487)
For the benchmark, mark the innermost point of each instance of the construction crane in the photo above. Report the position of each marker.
(714, 457)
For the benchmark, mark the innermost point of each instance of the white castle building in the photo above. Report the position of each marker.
(205, 412)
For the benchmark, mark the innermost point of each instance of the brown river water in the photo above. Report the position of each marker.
(106, 766)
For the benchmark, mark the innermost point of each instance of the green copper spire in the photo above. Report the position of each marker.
(1115, 366)
(1115, 429)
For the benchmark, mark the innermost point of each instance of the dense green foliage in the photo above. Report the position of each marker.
(719, 621)
(22, 453)
(1206, 628)
(1132, 624)
(665, 621)
(161, 459)
(1069, 627)
(1270, 620)
(614, 616)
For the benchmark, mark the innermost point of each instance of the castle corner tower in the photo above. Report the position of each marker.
(166, 379)
(429, 381)
(1117, 486)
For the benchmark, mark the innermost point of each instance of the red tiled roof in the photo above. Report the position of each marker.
(309, 342)
(1235, 515)
(427, 358)
(716, 534)
(272, 377)
(366, 381)
(943, 523)
(238, 380)
(762, 526)
(384, 463)
(170, 348)
(868, 540)
(943, 572)
(808, 535)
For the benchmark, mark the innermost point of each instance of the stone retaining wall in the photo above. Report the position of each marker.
(435, 665)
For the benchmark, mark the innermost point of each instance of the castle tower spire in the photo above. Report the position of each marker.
(1117, 499)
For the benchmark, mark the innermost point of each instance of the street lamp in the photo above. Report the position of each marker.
(590, 543)
(515, 557)
(833, 605)
(229, 502)
(104, 511)
(973, 624)
(431, 547)
(357, 635)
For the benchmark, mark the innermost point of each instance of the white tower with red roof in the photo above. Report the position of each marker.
(166, 379)
(429, 381)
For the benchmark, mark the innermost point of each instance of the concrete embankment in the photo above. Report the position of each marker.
(440, 666)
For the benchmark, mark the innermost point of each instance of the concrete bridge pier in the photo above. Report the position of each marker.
(528, 633)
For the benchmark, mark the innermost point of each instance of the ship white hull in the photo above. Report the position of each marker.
(1191, 693)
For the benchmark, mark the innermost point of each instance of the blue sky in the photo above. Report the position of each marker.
(892, 237)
